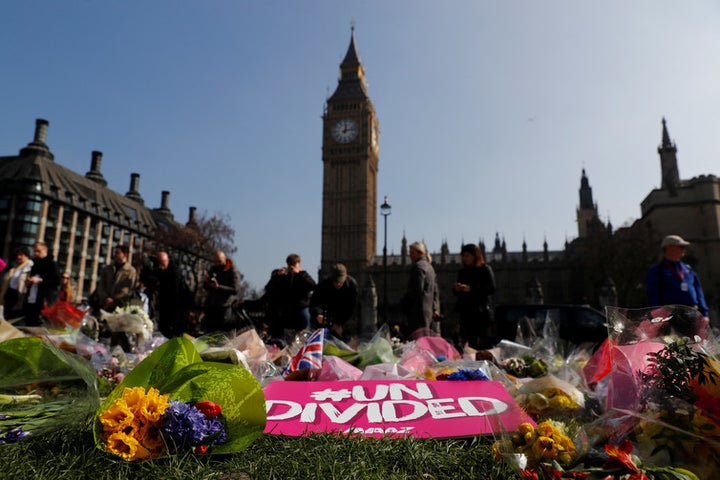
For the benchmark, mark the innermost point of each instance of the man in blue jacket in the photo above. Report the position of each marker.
(672, 281)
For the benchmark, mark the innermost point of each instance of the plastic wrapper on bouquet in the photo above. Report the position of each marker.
(42, 388)
(661, 372)
(634, 335)
(131, 321)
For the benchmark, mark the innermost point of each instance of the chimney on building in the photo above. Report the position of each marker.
(41, 128)
(38, 147)
(165, 205)
(95, 174)
(192, 220)
(134, 193)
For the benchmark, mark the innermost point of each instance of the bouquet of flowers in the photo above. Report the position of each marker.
(63, 314)
(141, 425)
(663, 389)
(174, 402)
(129, 319)
(550, 396)
(42, 388)
(548, 442)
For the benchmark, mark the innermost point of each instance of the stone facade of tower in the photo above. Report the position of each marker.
(689, 208)
(350, 168)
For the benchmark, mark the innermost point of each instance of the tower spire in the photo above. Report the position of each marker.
(587, 214)
(668, 162)
(665, 136)
(586, 197)
(352, 74)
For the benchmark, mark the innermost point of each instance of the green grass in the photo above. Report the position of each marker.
(70, 453)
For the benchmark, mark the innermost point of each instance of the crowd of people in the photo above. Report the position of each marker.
(293, 300)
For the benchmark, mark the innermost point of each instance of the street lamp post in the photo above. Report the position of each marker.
(385, 211)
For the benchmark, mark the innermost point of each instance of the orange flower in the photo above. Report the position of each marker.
(126, 447)
(544, 448)
(133, 396)
(151, 438)
(116, 418)
(153, 405)
(621, 457)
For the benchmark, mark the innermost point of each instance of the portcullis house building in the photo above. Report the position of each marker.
(78, 217)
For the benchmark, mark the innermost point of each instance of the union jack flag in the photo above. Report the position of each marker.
(310, 355)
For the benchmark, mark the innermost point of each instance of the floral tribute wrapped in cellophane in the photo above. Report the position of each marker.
(542, 450)
(130, 319)
(663, 390)
(174, 402)
(42, 388)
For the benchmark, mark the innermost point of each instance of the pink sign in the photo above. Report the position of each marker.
(416, 408)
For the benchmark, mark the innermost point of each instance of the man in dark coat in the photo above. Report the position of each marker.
(171, 297)
(333, 301)
(222, 283)
(295, 287)
(43, 282)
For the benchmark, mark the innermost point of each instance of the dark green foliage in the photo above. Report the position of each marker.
(671, 370)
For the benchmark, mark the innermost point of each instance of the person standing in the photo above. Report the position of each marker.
(421, 302)
(274, 297)
(117, 281)
(43, 283)
(672, 281)
(222, 282)
(333, 301)
(170, 297)
(67, 292)
(475, 284)
(296, 286)
(14, 285)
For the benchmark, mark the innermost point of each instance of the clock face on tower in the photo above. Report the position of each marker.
(345, 131)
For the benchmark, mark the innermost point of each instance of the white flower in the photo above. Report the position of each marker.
(129, 319)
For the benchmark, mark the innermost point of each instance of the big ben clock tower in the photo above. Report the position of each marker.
(350, 167)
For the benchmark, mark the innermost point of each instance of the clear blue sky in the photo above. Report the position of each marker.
(488, 110)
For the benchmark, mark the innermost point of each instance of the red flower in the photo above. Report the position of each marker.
(529, 474)
(620, 457)
(638, 476)
(209, 409)
(201, 449)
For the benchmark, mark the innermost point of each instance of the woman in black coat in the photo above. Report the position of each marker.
(474, 287)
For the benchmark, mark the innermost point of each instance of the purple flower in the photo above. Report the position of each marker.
(185, 425)
(216, 430)
(464, 374)
(14, 435)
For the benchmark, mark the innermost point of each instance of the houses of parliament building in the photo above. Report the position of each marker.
(599, 267)
(82, 220)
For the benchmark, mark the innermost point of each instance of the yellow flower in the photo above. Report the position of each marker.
(117, 417)
(527, 431)
(126, 447)
(152, 407)
(545, 429)
(544, 448)
(133, 397)
(151, 438)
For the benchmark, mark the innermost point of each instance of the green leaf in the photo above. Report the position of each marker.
(176, 368)
(30, 360)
